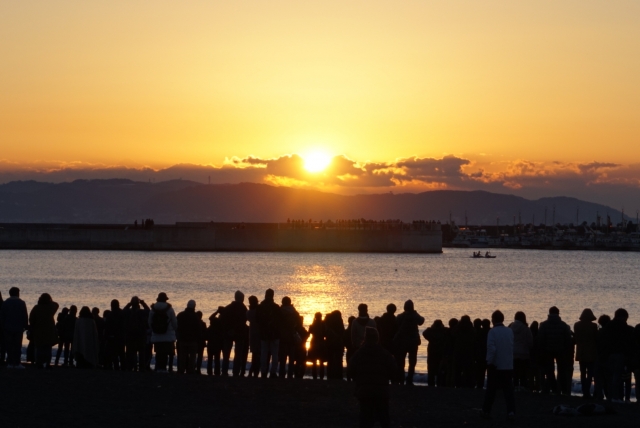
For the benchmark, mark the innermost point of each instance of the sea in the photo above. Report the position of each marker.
(442, 286)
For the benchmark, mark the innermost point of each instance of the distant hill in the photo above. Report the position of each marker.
(123, 201)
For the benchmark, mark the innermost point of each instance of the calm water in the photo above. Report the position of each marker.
(442, 286)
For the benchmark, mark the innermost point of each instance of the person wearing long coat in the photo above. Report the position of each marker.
(86, 342)
(43, 329)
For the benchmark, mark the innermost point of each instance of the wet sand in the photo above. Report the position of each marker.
(88, 398)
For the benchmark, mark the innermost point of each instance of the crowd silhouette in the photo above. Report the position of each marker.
(270, 340)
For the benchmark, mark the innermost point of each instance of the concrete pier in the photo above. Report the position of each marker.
(374, 238)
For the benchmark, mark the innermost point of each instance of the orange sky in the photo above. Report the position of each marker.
(159, 83)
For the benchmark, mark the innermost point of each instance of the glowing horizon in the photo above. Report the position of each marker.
(127, 84)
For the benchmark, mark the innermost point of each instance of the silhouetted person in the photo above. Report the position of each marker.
(86, 344)
(202, 342)
(60, 318)
(254, 336)
(522, 344)
(300, 354)
(619, 343)
(68, 329)
(136, 319)
(289, 337)
(215, 339)
(234, 321)
(535, 368)
(372, 367)
(499, 366)
(348, 343)
(163, 323)
(188, 335)
(359, 325)
(481, 328)
(2, 341)
(449, 354)
(554, 339)
(388, 328)
(601, 379)
(14, 321)
(317, 345)
(436, 336)
(334, 344)
(464, 340)
(114, 332)
(269, 320)
(586, 338)
(95, 312)
(407, 341)
(42, 329)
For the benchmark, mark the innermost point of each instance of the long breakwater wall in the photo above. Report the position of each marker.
(397, 238)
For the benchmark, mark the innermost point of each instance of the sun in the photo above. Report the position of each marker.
(316, 161)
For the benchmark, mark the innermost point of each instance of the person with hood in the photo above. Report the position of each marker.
(407, 340)
(359, 325)
(499, 366)
(334, 344)
(619, 343)
(436, 335)
(254, 336)
(236, 332)
(555, 342)
(388, 328)
(215, 339)
(317, 345)
(269, 320)
(135, 316)
(42, 329)
(464, 340)
(14, 320)
(522, 344)
(114, 332)
(372, 367)
(188, 334)
(289, 337)
(163, 324)
(86, 343)
(585, 334)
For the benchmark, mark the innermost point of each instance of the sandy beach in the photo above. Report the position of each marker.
(73, 397)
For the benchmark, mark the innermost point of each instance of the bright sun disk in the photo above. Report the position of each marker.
(316, 161)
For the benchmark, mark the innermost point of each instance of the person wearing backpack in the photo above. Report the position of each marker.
(163, 323)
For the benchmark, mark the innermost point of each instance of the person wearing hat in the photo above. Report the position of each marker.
(188, 334)
(372, 367)
(585, 334)
(163, 323)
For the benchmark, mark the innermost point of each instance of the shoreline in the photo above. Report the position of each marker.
(75, 397)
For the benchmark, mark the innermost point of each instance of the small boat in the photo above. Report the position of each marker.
(479, 255)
